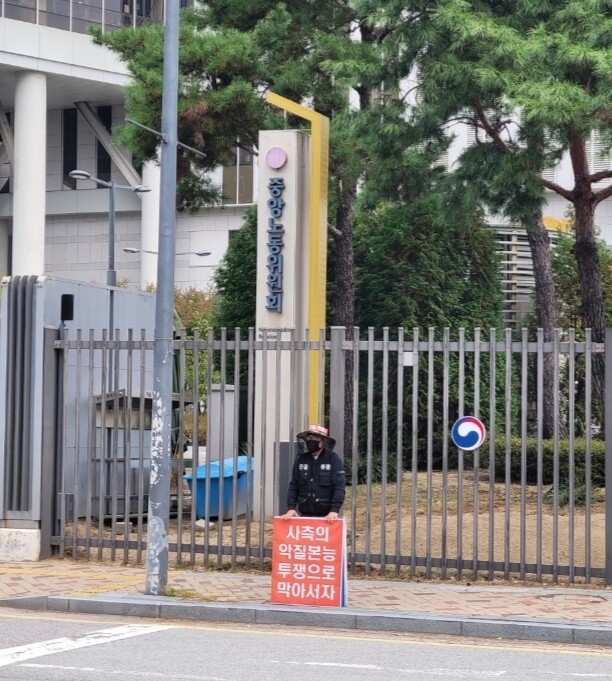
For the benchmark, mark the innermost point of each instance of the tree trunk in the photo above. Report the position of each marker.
(591, 291)
(345, 297)
(587, 259)
(546, 311)
(345, 265)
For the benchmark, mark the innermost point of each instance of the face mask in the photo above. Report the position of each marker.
(313, 446)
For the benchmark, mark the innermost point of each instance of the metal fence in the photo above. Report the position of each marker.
(523, 506)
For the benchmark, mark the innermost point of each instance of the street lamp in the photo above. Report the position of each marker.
(130, 249)
(111, 281)
(111, 274)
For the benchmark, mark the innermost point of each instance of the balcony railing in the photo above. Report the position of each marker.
(80, 15)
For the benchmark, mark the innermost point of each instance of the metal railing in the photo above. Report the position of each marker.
(523, 506)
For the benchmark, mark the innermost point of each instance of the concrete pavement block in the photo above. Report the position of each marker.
(317, 617)
(207, 612)
(25, 602)
(593, 635)
(111, 607)
(19, 545)
(411, 623)
(58, 603)
(530, 631)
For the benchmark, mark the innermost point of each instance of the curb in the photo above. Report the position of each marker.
(161, 607)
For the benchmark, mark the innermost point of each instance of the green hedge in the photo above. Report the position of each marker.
(515, 456)
(531, 459)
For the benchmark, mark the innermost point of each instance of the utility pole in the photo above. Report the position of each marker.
(159, 485)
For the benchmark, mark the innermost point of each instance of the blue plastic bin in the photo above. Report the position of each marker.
(228, 487)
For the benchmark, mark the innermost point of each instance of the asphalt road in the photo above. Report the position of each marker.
(60, 647)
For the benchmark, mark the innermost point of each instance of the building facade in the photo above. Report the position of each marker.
(61, 96)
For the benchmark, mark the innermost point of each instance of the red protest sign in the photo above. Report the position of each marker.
(309, 562)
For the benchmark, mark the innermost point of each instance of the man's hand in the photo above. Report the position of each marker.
(291, 513)
(331, 516)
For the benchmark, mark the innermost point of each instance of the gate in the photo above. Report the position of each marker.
(529, 504)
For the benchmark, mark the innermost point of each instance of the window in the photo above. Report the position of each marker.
(103, 159)
(238, 178)
(69, 146)
(24, 10)
(54, 13)
(136, 12)
(5, 168)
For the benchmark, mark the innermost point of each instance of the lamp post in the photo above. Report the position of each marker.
(111, 273)
(111, 282)
(156, 576)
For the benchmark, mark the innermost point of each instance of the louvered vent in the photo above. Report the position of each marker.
(598, 157)
(518, 281)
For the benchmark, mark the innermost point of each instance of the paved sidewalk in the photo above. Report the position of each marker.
(572, 615)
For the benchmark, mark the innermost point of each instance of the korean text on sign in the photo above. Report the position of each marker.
(308, 562)
(274, 261)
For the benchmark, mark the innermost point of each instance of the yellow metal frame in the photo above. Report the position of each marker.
(317, 241)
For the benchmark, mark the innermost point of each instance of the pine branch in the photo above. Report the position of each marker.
(604, 193)
(553, 186)
(604, 116)
(601, 175)
(489, 129)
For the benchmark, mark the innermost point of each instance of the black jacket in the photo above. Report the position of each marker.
(317, 485)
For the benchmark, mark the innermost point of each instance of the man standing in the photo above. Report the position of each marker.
(317, 481)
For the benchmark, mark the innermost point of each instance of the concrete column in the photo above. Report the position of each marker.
(149, 230)
(280, 407)
(29, 173)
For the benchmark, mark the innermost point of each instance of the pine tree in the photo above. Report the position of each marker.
(534, 79)
(231, 52)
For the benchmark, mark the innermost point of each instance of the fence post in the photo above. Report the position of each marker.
(53, 405)
(608, 455)
(337, 370)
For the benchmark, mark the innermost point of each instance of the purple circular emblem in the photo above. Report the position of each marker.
(276, 158)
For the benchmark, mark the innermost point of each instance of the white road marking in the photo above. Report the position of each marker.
(434, 671)
(455, 673)
(124, 672)
(339, 664)
(60, 645)
(579, 675)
